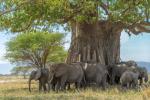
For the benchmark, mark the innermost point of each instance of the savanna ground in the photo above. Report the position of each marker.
(16, 88)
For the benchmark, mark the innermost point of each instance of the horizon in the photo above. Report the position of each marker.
(129, 48)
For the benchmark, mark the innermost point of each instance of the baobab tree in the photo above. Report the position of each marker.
(95, 25)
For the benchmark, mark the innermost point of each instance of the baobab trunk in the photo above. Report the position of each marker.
(95, 42)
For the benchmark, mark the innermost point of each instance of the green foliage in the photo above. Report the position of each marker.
(20, 70)
(36, 48)
(20, 15)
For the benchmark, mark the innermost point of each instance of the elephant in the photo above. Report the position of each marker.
(129, 79)
(62, 74)
(117, 71)
(96, 73)
(143, 74)
(42, 75)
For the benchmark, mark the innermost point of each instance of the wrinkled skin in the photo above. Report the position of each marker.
(42, 76)
(129, 79)
(96, 73)
(66, 73)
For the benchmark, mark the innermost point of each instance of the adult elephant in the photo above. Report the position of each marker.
(42, 75)
(63, 74)
(96, 73)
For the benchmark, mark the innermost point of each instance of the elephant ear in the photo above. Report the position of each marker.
(38, 74)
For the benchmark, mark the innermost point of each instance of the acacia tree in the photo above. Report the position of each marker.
(95, 25)
(36, 49)
(21, 70)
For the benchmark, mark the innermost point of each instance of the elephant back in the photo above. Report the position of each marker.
(59, 69)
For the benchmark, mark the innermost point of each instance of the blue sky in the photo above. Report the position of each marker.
(135, 47)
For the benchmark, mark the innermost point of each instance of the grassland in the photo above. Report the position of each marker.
(16, 88)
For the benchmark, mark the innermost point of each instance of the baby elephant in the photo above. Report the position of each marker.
(129, 79)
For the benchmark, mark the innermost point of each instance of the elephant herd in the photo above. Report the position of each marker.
(61, 75)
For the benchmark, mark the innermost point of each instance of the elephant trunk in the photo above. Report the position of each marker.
(30, 85)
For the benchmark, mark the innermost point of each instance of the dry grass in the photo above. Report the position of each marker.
(19, 91)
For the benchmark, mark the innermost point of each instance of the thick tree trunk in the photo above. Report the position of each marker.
(96, 42)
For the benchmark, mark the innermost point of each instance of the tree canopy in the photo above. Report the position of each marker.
(21, 15)
(36, 48)
(95, 25)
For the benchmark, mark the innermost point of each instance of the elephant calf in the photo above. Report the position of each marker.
(129, 79)
(41, 75)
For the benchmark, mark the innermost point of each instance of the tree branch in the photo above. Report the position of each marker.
(138, 28)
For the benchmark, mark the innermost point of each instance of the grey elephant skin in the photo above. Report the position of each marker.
(62, 73)
(116, 72)
(96, 73)
(42, 75)
(129, 79)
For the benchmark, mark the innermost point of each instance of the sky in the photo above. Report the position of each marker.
(135, 47)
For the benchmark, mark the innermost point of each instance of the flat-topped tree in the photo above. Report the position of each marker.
(95, 25)
(36, 49)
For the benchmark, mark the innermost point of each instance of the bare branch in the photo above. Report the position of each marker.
(138, 28)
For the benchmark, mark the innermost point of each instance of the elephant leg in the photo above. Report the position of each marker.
(131, 85)
(53, 86)
(40, 86)
(99, 80)
(113, 80)
(141, 81)
(44, 87)
(104, 83)
(78, 85)
(62, 82)
(135, 83)
(48, 86)
(68, 86)
(57, 86)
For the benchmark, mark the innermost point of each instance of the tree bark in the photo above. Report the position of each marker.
(95, 42)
